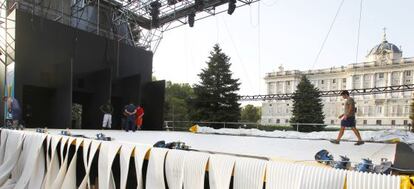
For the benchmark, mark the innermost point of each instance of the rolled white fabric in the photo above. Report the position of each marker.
(39, 171)
(107, 153)
(174, 168)
(32, 149)
(63, 147)
(48, 148)
(323, 178)
(220, 169)
(249, 173)
(140, 151)
(69, 182)
(3, 138)
(124, 157)
(195, 170)
(94, 145)
(155, 171)
(85, 152)
(12, 153)
(53, 167)
(361, 180)
(64, 166)
(14, 137)
(282, 175)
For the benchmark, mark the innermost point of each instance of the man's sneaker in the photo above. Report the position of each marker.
(334, 141)
(359, 143)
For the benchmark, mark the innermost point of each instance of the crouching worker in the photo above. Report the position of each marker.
(13, 107)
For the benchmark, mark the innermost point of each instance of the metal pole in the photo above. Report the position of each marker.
(97, 22)
(173, 117)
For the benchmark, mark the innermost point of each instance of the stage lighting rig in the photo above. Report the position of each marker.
(199, 5)
(232, 6)
(155, 13)
(191, 17)
(171, 2)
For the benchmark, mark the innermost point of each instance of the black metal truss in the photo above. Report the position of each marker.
(171, 12)
(333, 93)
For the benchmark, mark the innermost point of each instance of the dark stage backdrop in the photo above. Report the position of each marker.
(153, 97)
(57, 65)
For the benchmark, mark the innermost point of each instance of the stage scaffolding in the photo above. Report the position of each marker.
(139, 23)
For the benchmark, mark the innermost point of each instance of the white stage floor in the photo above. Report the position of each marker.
(274, 148)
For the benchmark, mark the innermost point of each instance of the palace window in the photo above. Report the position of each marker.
(379, 122)
(392, 122)
(381, 75)
(379, 110)
(365, 122)
(407, 73)
(334, 81)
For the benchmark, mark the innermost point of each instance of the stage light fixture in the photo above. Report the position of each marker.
(232, 6)
(199, 5)
(171, 2)
(191, 17)
(155, 12)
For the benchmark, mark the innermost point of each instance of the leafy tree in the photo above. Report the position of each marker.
(215, 95)
(250, 113)
(307, 107)
(176, 101)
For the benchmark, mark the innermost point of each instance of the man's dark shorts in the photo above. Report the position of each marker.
(348, 122)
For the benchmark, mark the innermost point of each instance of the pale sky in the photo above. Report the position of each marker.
(261, 37)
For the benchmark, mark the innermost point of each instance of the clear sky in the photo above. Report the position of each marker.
(261, 37)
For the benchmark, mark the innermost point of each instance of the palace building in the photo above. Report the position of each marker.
(384, 66)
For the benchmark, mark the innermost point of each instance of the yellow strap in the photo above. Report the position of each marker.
(406, 183)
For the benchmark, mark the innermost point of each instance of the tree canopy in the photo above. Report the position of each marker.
(215, 94)
(250, 113)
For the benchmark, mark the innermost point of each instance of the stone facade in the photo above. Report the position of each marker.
(384, 66)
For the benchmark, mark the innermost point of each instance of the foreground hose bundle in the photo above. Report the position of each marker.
(31, 160)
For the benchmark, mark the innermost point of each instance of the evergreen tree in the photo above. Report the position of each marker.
(250, 113)
(215, 95)
(307, 106)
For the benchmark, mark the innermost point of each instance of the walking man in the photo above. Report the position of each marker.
(130, 113)
(348, 119)
(107, 109)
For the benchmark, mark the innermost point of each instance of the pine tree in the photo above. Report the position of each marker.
(215, 95)
(307, 107)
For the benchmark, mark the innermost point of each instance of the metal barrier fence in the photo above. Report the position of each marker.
(185, 125)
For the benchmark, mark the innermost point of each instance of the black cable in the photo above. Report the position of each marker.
(327, 35)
